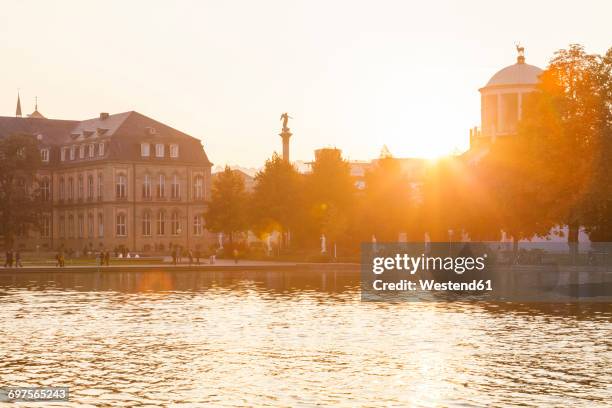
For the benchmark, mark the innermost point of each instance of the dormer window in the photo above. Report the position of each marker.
(88, 133)
(75, 136)
(81, 151)
(44, 155)
(101, 149)
(174, 151)
(145, 149)
(159, 150)
(101, 131)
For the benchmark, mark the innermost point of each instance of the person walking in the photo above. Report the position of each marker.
(197, 256)
(18, 260)
(9, 258)
(190, 255)
(235, 254)
(174, 256)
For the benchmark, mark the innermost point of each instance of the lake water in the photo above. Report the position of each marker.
(286, 339)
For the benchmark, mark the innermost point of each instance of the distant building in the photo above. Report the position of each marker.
(502, 99)
(116, 181)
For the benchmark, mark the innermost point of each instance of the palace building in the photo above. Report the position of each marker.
(116, 181)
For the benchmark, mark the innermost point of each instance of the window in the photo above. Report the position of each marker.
(81, 226)
(121, 186)
(146, 224)
(81, 151)
(45, 189)
(121, 230)
(61, 189)
(161, 186)
(90, 225)
(71, 226)
(100, 225)
(62, 227)
(72, 152)
(174, 151)
(175, 224)
(90, 187)
(100, 187)
(63, 153)
(80, 188)
(145, 149)
(198, 188)
(175, 187)
(100, 149)
(45, 228)
(44, 155)
(146, 186)
(198, 224)
(161, 222)
(92, 150)
(70, 188)
(159, 150)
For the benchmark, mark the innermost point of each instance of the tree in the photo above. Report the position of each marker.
(330, 197)
(20, 204)
(566, 126)
(388, 201)
(227, 210)
(277, 201)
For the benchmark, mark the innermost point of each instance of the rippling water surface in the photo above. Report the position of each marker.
(283, 339)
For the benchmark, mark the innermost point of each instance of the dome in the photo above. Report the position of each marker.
(517, 74)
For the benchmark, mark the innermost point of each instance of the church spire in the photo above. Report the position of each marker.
(18, 110)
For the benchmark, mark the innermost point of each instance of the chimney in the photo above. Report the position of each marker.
(103, 115)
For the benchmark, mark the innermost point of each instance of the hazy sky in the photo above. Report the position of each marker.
(355, 75)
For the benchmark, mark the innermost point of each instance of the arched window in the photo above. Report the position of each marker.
(62, 187)
(161, 186)
(45, 189)
(146, 223)
(121, 186)
(45, 228)
(81, 226)
(71, 226)
(100, 187)
(176, 187)
(121, 229)
(198, 188)
(62, 227)
(100, 225)
(90, 187)
(80, 188)
(146, 186)
(175, 223)
(198, 224)
(161, 222)
(70, 188)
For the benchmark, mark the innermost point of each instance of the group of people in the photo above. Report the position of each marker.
(103, 258)
(191, 256)
(12, 258)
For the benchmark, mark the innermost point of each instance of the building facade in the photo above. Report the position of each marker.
(122, 181)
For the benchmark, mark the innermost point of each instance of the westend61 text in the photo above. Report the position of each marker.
(429, 284)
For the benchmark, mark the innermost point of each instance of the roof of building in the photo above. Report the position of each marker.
(516, 74)
(124, 130)
(53, 131)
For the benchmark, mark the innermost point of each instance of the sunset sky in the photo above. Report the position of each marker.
(355, 75)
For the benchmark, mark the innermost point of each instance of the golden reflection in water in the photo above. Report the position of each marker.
(287, 339)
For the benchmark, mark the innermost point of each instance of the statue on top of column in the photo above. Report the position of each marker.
(285, 118)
